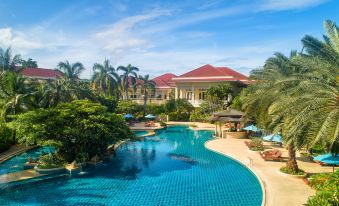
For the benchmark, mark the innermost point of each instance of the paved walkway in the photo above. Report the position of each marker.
(14, 150)
(281, 190)
(141, 126)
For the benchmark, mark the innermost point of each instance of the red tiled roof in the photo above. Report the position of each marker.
(209, 73)
(164, 81)
(41, 73)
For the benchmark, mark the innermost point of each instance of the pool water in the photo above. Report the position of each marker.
(172, 167)
(16, 163)
(140, 133)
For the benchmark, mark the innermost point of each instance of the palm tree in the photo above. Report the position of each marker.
(30, 63)
(71, 71)
(105, 78)
(15, 94)
(147, 87)
(7, 61)
(128, 77)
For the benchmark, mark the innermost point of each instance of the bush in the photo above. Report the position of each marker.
(178, 109)
(327, 187)
(198, 116)
(108, 102)
(79, 127)
(129, 107)
(6, 137)
(290, 171)
(50, 161)
(257, 145)
(155, 109)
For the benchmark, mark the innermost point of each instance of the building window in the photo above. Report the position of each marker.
(202, 94)
(188, 95)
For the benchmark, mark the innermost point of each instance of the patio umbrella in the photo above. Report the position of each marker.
(128, 116)
(328, 159)
(252, 128)
(273, 138)
(150, 116)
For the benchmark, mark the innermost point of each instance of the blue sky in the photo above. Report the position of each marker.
(160, 36)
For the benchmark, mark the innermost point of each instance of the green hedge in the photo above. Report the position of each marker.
(327, 187)
(6, 137)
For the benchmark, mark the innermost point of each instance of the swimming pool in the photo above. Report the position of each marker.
(16, 163)
(171, 168)
(140, 133)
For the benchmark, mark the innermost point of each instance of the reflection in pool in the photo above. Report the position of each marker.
(177, 170)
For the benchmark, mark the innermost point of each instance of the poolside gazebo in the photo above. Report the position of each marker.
(229, 116)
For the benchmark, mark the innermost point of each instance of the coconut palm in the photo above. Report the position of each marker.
(328, 49)
(71, 71)
(105, 78)
(8, 62)
(147, 87)
(15, 94)
(29, 63)
(128, 77)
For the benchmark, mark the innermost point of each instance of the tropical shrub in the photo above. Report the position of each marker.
(129, 107)
(257, 145)
(6, 137)
(109, 102)
(155, 109)
(79, 127)
(327, 187)
(290, 171)
(50, 161)
(179, 109)
(198, 116)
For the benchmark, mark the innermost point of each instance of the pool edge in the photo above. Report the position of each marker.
(261, 182)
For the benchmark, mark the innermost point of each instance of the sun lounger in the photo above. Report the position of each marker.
(277, 156)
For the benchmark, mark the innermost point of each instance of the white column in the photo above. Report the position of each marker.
(176, 93)
(193, 95)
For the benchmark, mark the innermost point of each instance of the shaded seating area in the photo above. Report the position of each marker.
(232, 120)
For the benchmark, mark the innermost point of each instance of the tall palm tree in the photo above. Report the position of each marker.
(147, 87)
(8, 62)
(128, 77)
(105, 78)
(15, 94)
(29, 63)
(71, 71)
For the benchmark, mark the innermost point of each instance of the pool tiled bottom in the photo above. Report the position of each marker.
(171, 168)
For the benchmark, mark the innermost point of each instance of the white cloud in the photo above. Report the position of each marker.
(17, 40)
(276, 5)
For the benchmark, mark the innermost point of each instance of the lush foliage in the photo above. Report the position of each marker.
(79, 127)
(198, 116)
(50, 161)
(291, 171)
(179, 109)
(298, 95)
(216, 96)
(129, 107)
(6, 137)
(257, 144)
(327, 187)
(155, 109)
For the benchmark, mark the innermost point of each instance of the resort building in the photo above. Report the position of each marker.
(164, 86)
(193, 84)
(41, 74)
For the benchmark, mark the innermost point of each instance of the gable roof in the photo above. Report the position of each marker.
(164, 81)
(209, 73)
(41, 73)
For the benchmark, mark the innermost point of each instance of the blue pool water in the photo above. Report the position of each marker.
(16, 163)
(170, 168)
(140, 133)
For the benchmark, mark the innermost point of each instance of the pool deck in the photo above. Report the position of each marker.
(280, 189)
(18, 176)
(141, 126)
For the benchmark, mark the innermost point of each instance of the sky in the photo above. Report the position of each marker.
(160, 36)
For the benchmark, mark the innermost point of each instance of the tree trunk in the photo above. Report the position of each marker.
(292, 160)
(126, 89)
(145, 102)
